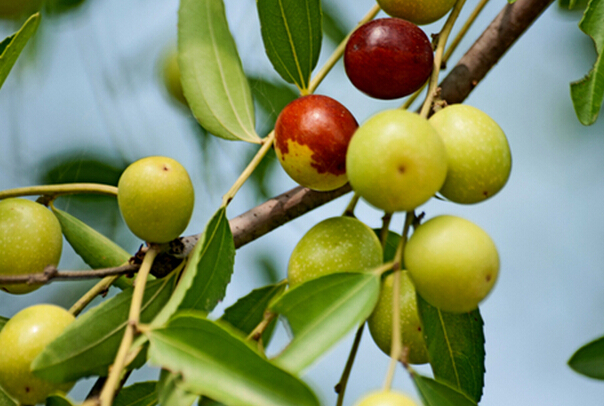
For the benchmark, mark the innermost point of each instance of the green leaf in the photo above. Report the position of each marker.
(139, 394)
(95, 249)
(58, 400)
(88, 345)
(322, 311)
(79, 166)
(6, 400)
(214, 362)
(587, 93)
(456, 347)
(208, 270)
(212, 75)
(170, 392)
(249, 310)
(292, 34)
(589, 359)
(11, 47)
(434, 393)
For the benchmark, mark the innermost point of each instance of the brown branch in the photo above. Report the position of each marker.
(500, 35)
(51, 273)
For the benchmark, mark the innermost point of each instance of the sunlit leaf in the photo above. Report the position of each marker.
(214, 362)
(212, 76)
(170, 392)
(456, 347)
(588, 93)
(249, 310)
(434, 393)
(322, 311)
(139, 394)
(6, 400)
(589, 359)
(88, 345)
(208, 271)
(292, 34)
(11, 47)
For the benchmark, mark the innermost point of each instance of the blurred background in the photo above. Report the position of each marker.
(88, 96)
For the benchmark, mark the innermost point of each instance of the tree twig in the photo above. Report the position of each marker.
(51, 273)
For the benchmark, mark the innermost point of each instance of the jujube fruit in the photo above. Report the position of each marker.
(23, 337)
(30, 240)
(396, 161)
(386, 398)
(479, 158)
(337, 244)
(388, 58)
(453, 263)
(380, 321)
(417, 11)
(311, 138)
(156, 198)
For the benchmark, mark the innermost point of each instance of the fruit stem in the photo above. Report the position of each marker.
(396, 346)
(464, 29)
(386, 219)
(438, 57)
(267, 143)
(61, 189)
(339, 51)
(349, 212)
(115, 372)
(341, 386)
(89, 296)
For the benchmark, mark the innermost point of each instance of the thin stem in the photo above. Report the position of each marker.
(396, 343)
(339, 51)
(341, 386)
(115, 372)
(351, 205)
(89, 296)
(438, 56)
(386, 219)
(51, 273)
(464, 29)
(247, 172)
(63, 189)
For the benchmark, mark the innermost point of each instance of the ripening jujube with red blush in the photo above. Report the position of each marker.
(388, 58)
(311, 139)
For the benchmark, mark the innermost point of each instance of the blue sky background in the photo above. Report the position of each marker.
(91, 83)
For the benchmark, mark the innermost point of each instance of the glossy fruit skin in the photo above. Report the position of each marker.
(453, 263)
(386, 398)
(23, 337)
(311, 138)
(418, 12)
(156, 198)
(337, 244)
(18, 8)
(388, 58)
(380, 321)
(30, 240)
(479, 157)
(396, 161)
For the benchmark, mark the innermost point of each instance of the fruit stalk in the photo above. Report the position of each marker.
(115, 372)
(438, 57)
(267, 143)
(341, 386)
(61, 189)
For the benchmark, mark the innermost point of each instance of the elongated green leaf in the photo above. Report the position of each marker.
(95, 249)
(58, 400)
(589, 359)
(170, 391)
(211, 72)
(139, 394)
(456, 347)
(11, 47)
(434, 393)
(213, 361)
(588, 93)
(6, 400)
(292, 34)
(208, 271)
(322, 311)
(88, 345)
(249, 310)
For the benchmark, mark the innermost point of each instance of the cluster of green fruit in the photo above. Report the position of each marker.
(155, 196)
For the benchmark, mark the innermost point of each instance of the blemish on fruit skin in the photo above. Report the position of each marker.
(488, 278)
(402, 169)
